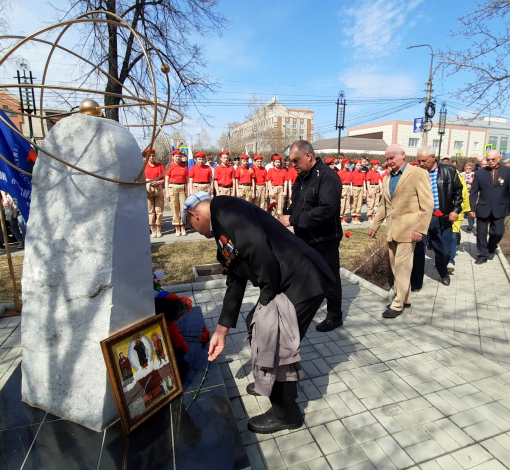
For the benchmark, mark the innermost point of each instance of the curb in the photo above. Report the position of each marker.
(504, 262)
(366, 284)
(195, 286)
(8, 306)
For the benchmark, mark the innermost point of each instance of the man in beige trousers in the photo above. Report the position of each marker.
(407, 204)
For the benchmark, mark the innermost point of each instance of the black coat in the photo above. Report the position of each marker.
(487, 197)
(449, 189)
(266, 253)
(315, 209)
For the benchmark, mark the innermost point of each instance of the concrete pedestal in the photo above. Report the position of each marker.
(87, 271)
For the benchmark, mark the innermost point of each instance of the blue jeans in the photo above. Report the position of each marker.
(453, 247)
(18, 227)
(440, 239)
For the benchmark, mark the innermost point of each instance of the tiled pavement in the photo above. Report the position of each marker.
(381, 394)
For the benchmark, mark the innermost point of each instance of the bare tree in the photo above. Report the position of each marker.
(486, 59)
(168, 24)
(255, 104)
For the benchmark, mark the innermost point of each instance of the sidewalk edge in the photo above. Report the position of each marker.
(504, 262)
(366, 284)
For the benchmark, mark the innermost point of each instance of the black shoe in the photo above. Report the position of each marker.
(481, 261)
(267, 423)
(415, 289)
(328, 325)
(405, 306)
(491, 255)
(250, 389)
(445, 280)
(469, 229)
(390, 313)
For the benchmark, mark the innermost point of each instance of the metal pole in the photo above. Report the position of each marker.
(340, 116)
(442, 127)
(17, 305)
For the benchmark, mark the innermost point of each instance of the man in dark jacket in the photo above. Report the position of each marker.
(447, 191)
(315, 216)
(490, 195)
(254, 246)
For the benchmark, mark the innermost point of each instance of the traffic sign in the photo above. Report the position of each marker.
(488, 148)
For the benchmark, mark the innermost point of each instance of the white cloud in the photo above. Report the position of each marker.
(374, 27)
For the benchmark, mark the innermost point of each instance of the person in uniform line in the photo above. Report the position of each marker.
(291, 179)
(315, 216)
(237, 162)
(286, 163)
(224, 176)
(276, 184)
(176, 185)
(293, 279)
(260, 177)
(331, 163)
(374, 189)
(489, 200)
(358, 191)
(346, 178)
(245, 180)
(155, 195)
(200, 175)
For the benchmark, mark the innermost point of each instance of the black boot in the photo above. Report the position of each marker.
(283, 414)
(250, 389)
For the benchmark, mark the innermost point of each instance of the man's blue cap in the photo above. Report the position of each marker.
(192, 200)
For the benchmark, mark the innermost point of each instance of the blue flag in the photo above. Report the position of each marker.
(18, 151)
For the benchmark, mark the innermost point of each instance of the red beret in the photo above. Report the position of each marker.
(258, 157)
(176, 152)
(277, 157)
(413, 163)
(151, 151)
(357, 161)
(199, 154)
(374, 162)
(244, 156)
(346, 160)
(329, 161)
(224, 152)
(387, 164)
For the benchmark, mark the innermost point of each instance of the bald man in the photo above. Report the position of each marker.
(407, 205)
(490, 196)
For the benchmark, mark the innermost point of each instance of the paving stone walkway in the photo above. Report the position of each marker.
(429, 390)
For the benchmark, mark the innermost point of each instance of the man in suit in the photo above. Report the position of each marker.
(490, 195)
(252, 245)
(406, 205)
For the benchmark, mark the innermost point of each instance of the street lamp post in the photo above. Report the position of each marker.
(340, 116)
(429, 106)
(442, 127)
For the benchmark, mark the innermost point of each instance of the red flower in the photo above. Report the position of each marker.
(438, 213)
(270, 207)
(348, 234)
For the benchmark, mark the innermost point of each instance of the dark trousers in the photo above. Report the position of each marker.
(330, 251)
(496, 231)
(418, 266)
(441, 240)
(284, 394)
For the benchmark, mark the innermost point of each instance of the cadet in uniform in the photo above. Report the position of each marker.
(155, 195)
(254, 246)
(176, 186)
(245, 180)
(224, 175)
(358, 191)
(374, 189)
(346, 178)
(260, 174)
(200, 175)
(276, 184)
(291, 179)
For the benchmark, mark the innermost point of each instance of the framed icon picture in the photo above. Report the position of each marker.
(142, 369)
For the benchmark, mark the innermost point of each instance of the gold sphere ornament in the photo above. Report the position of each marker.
(165, 68)
(90, 107)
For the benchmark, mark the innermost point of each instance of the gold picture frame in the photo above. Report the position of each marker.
(142, 369)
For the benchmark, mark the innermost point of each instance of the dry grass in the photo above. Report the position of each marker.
(5, 278)
(504, 245)
(176, 259)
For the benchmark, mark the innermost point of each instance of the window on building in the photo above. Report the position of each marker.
(476, 145)
(294, 125)
(302, 126)
(413, 142)
(7, 111)
(301, 137)
(503, 143)
(435, 144)
(494, 141)
(458, 145)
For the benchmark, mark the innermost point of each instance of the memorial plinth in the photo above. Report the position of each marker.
(87, 271)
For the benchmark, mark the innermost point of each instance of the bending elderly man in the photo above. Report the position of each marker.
(293, 279)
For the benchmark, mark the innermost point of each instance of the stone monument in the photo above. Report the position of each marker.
(87, 271)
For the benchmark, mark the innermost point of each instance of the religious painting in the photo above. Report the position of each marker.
(142, 370)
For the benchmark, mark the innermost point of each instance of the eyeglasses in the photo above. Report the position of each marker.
(294, 161)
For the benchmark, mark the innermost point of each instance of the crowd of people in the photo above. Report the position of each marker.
(14, 220)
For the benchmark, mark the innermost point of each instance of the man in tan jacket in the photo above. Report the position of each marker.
(407, 205)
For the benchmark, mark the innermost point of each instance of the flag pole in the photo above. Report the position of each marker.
(17, 305)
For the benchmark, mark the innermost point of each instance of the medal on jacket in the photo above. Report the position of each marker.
(501, 181)
(228, 250)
